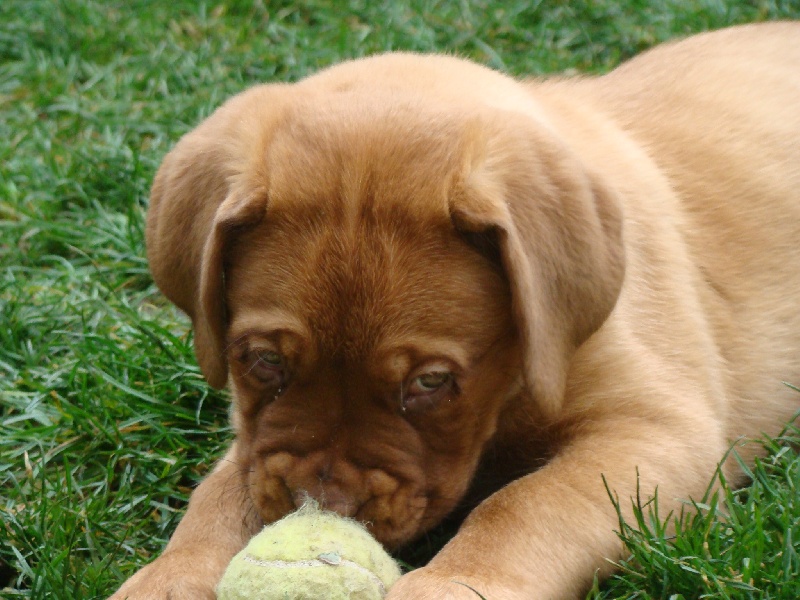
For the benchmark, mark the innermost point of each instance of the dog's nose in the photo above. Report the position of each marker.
(329, 497)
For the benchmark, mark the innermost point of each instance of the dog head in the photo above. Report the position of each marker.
(383, 261)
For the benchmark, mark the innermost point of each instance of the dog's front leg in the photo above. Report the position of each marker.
(543, 537)
(218, 523)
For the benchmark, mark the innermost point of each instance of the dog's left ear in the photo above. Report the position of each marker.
(559, 231)
(200, 197)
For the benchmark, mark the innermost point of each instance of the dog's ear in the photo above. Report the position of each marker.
(205, 189)
(558, 228)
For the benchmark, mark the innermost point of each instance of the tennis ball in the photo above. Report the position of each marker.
(310, 555)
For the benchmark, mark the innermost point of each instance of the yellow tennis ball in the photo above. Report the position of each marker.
(310, 555)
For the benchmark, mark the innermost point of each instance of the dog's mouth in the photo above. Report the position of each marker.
(395, 504)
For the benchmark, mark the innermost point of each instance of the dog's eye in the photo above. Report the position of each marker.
(429, 382)
(268, 367)
(269, 357)
(425, 391)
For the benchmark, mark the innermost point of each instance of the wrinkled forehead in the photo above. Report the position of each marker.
(360, 288)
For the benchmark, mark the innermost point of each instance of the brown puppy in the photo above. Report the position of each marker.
(412, 270)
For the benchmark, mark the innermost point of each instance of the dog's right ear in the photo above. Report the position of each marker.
(557, 227)
(211, 184)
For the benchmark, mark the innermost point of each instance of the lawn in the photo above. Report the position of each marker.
(106, 423)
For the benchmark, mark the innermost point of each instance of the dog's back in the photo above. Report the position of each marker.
(719, 114)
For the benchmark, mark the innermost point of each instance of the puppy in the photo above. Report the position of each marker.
(426, 282)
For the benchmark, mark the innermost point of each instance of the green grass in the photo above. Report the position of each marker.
(105, 420)
(731, 544)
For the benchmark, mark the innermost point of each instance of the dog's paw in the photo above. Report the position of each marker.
(169, 577)
(181, 590)
(426, 584)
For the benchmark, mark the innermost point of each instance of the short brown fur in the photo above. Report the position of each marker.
(598, 276)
